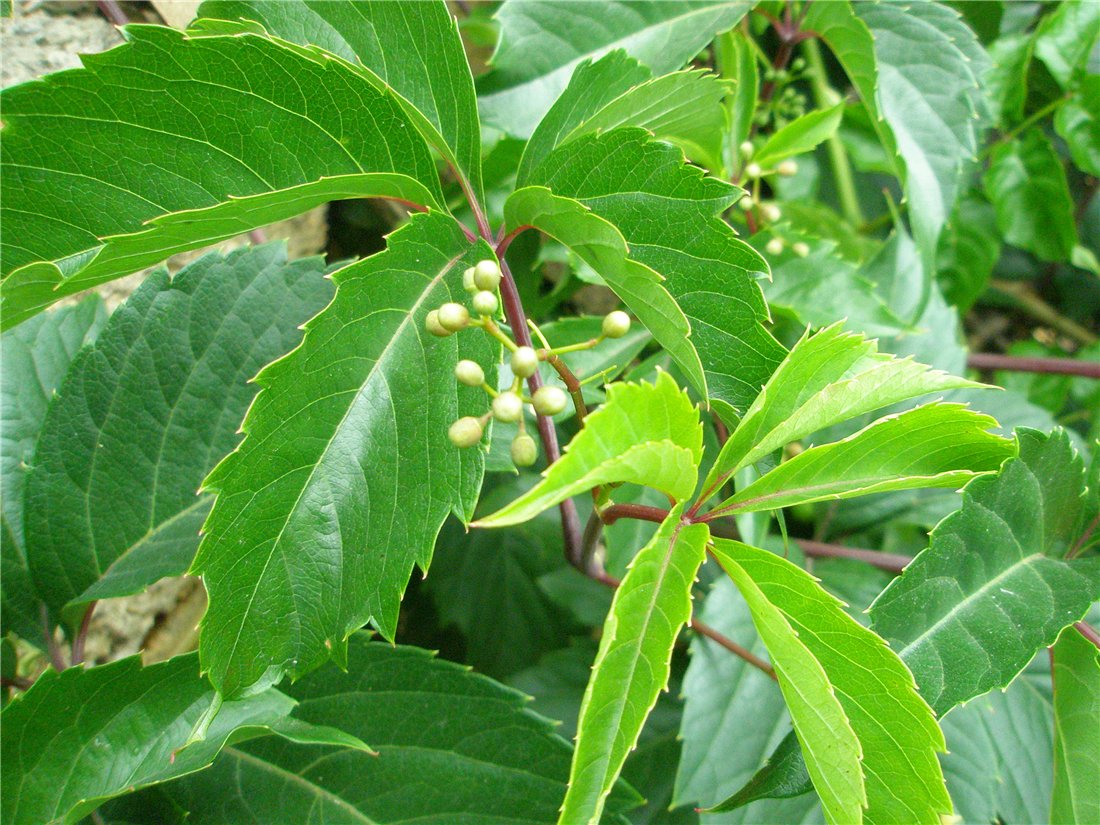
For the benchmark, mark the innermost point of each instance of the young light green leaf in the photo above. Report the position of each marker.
(1078, 122)
(307, 503)
(735, 58)
(147, 412)
(388, 40)
(36, 358)
(170, 159)
(801, 135)
(527, 79)
(1026, 182)
(81, 737)
(646, 434)
(444, 736)
(683, 107)
(1065, 38)
(602, 246)
(669, 213)
(826, 378)
(831, 750)
(995, 584)
(1076, 797)
(632, 665)
(935, 445)
(896, 729)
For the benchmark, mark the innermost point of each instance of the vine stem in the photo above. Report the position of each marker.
(52, 647)
(1089, 632)
(1051, 366)
(82, 634)
(1043, 312)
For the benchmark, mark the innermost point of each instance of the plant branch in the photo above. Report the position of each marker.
(1043, 312)
(732, 646)
(572, 385)
(517, 320)
(641, 512)
(1013, 363)
(891, 562)
(52, 646)
(82, 634)
(17, 682)
(1089, 632)
(113, 12)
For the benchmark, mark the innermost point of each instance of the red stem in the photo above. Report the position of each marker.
(113, 12)
(52, 647)
(1050, 366)
(1089, 632)
(82, 634)
(506, 241)
(891, 562)
(732, 647)
(642, 512)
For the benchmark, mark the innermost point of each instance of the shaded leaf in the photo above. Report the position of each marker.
(934, 445)
(994, 584)
(896, 729)
(309, 501)
(79, 738)
(228, 123)
(632, 665)
(647, 434)
(783, 776)
(1078, 122)
(527, 79)
(669, 214)
(147, 412)
(1026, 182)
(969, 249)
(1076, 797)
(36, 358)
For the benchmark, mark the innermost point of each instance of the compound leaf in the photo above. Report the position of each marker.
(147, 411)
(310, 502)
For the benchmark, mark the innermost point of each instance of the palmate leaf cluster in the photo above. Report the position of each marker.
(279, 427)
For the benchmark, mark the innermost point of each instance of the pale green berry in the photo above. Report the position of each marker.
(453, 317)
(746, 149)
(469, 373)
(487, 275)
(615, 324)
(770, 212)
(468, 280)
(507, 407)
(525, 362)
(787, 168)
(431, 323)
(485, 302)
(775, 246)
(746, 203)
(466, 432)
(524, 450)
(800, 249)
(753, 170)
(549, 400)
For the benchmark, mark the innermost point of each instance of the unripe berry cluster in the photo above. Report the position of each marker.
(483, 281)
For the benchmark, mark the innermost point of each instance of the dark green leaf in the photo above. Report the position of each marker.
(541, 44)
(632, 665)
(309, 503)
(147, 412)
(995, 584)
(1076, 799)
(1078, 122)
(669, 214)
(36, 358)
(454, 748)
(79, 738)
(783, 776)
(196, 124)
(389, 39)
(969, 248)
(1026, 182)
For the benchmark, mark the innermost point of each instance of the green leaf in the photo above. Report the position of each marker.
(801, 135)
(969, 249)
(81, 737)
(994, 584)
(647, 434)
(896, 729)
(147, 411)
(1076, 797)
(227, 126)
(783, 776)
(831, 750)
(669, 214)
(603, 248)
(935, 445)
(36, 358)
(1026, 182)
(733, 718)
(453, 747)
(541, 43)
(826, 378)
(388, 39)
(308, 503)
(632, 665)
(1078, 122)
(683, 107)
(1006, 80)
(1066, 37)
(735, 58)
